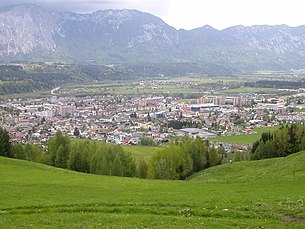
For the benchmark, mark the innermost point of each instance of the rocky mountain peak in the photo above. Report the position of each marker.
(30, 32)
(24, 28)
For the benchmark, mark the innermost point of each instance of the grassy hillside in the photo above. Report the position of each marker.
(260, 194)
(289, 168)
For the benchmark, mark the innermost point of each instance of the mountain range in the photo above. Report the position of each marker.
(31, 33)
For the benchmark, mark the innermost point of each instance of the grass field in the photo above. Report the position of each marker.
(245, 139)
(141, 152)
(255, 194)
(299, 110)
(250, 89)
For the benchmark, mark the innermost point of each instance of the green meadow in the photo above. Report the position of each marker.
(141, 152)
(248, 194)
(245, 139)
(249, 90)
(299, 110)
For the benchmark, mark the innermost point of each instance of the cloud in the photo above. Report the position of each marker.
(190, 14)
(157, 7)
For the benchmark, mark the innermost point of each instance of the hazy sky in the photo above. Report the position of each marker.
(189, 14)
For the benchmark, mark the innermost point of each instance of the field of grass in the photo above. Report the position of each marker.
(245, 139)
(129, 90)
(148, 90)
(299, 110)
(141, 152)
(205, 79)
(250, 89)
(36, 94)
(256, 194)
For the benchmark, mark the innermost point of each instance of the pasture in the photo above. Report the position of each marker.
(245, 139)
(141, 152)
(250, 90)
(251, 194)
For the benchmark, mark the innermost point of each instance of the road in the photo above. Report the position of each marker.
(53, 90)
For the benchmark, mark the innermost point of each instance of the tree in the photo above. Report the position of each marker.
(5, 144)
(18, 151)
(61, 159)
(148, 117)
(117, 168)
(221, 151)
(74, 161)
(238, 156)
(76, 132)
(214, 158)
(146, 141)
(142, 169)
(170, 163)
(28, 152)
(197, 149)
(270, 150)
(58, 157)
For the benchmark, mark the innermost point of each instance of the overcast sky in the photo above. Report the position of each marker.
(189, 14)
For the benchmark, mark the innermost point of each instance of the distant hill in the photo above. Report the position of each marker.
(29, 32)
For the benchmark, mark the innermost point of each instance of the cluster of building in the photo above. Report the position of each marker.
(124, 119)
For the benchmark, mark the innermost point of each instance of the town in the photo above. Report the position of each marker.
(125, 119)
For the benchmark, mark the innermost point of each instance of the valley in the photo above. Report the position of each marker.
(113, 118)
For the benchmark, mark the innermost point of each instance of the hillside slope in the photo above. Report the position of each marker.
(35, 195)
(277, 169)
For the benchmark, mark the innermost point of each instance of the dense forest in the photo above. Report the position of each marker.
(287, 140)
(278, 84)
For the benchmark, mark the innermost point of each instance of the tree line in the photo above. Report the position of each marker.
(182, 158)
(286, 140)
(20, 151)
(76, 154)
(276, 84)
(179, 159)
(177, 124)
(90, 156)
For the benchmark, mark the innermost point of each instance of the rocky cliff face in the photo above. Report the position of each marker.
(29, 32)
(24, 28)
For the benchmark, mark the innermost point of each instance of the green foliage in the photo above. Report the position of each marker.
(76, 132)
(182, 158)
(241, 156)
(18, 151)
(287, 140)
(177, 124)
(58, 150)
(213, 158)
(28, 152)
(198, 150)
(147, 141)
(100, 158)
(276, 84)
(142, 169)
(117, 167)
(170, 163)
(5, 144)
(34, 77)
